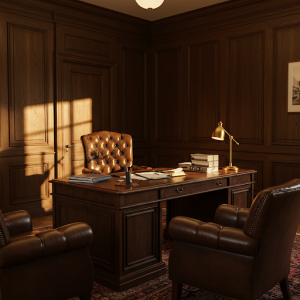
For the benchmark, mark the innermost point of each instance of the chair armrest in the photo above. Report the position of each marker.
(231, 216)
(17, 222)
(45, 243)
(212, 235)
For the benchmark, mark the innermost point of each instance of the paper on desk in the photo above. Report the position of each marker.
(133, 176)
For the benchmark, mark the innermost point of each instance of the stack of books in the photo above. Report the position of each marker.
(205, 163)
(88, 178)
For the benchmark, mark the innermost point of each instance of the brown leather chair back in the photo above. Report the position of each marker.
(107, 151)
(273, 219)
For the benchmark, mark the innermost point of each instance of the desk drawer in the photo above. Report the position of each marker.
(193, 188)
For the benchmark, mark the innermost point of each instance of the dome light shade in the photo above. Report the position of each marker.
(149, 4)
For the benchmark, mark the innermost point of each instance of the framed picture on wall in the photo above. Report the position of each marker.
(293, 101)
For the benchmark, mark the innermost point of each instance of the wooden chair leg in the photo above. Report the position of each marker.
(176, 290)
(285, 289)
(86, 296)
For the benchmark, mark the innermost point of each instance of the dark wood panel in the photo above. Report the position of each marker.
(203, 90)
(286, 129)
(168, 98)
(78, 41)
(102, 225)
(242, 196)
(84, 45)
(27, 74)
(29, 183)
(140, 234)
(85, 105)
(252, 165)
(245, 87)
(167, 160)
(140, 160)
(134, 95)
(283, 172)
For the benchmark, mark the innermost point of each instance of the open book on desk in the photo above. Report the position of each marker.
(158, 175)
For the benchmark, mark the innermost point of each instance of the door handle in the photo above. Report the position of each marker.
(179, 190)
(219, 183)
(68, 147)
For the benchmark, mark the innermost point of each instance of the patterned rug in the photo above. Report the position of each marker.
(161, 288)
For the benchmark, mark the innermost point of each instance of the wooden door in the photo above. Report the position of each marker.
(85, 105)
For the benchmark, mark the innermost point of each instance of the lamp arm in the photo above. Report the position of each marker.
(230, 136)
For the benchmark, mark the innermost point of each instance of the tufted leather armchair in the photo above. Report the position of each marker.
(107, 152)
(51, 264)
(245, 252)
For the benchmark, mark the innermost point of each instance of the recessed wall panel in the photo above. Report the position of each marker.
(29, 183)
(283, 172)
(203, 90)
(134, 86)
(27, 100)
(286, 126)
(168, 98)
(245, 88)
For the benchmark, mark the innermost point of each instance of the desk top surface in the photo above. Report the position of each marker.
(109, 185)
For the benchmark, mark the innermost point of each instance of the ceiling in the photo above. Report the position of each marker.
(167, 9)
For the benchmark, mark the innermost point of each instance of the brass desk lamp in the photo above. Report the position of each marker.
(219, 134)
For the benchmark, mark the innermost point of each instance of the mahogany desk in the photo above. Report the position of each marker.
(126, 221)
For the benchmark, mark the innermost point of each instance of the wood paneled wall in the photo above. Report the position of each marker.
(68, 68)
(228, 62)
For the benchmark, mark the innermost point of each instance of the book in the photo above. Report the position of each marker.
(206, 157)
(203, 169)
(153, 175)
(184, 164)
(160, 175)
(89, 178)
(202, 163)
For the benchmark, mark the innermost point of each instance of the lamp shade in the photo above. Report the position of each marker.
(149, 4)
(218, 133)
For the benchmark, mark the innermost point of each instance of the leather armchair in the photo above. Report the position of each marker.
(50, 264)
(244, 253)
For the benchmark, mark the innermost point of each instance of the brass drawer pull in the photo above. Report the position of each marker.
(219, 183)
(179, 190)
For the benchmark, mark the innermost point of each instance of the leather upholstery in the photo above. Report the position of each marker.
(4, 233)
(107, 152)
(245, 252)
(58, 259)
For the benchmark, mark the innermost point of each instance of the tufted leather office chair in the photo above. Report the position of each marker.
(245, 252)
(51, 264)
(107, 152)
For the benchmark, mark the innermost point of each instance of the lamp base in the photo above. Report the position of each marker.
(230, 168)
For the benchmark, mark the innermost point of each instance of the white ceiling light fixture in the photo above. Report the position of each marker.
(149, 4)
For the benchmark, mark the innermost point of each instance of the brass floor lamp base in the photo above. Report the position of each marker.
(230, 168)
